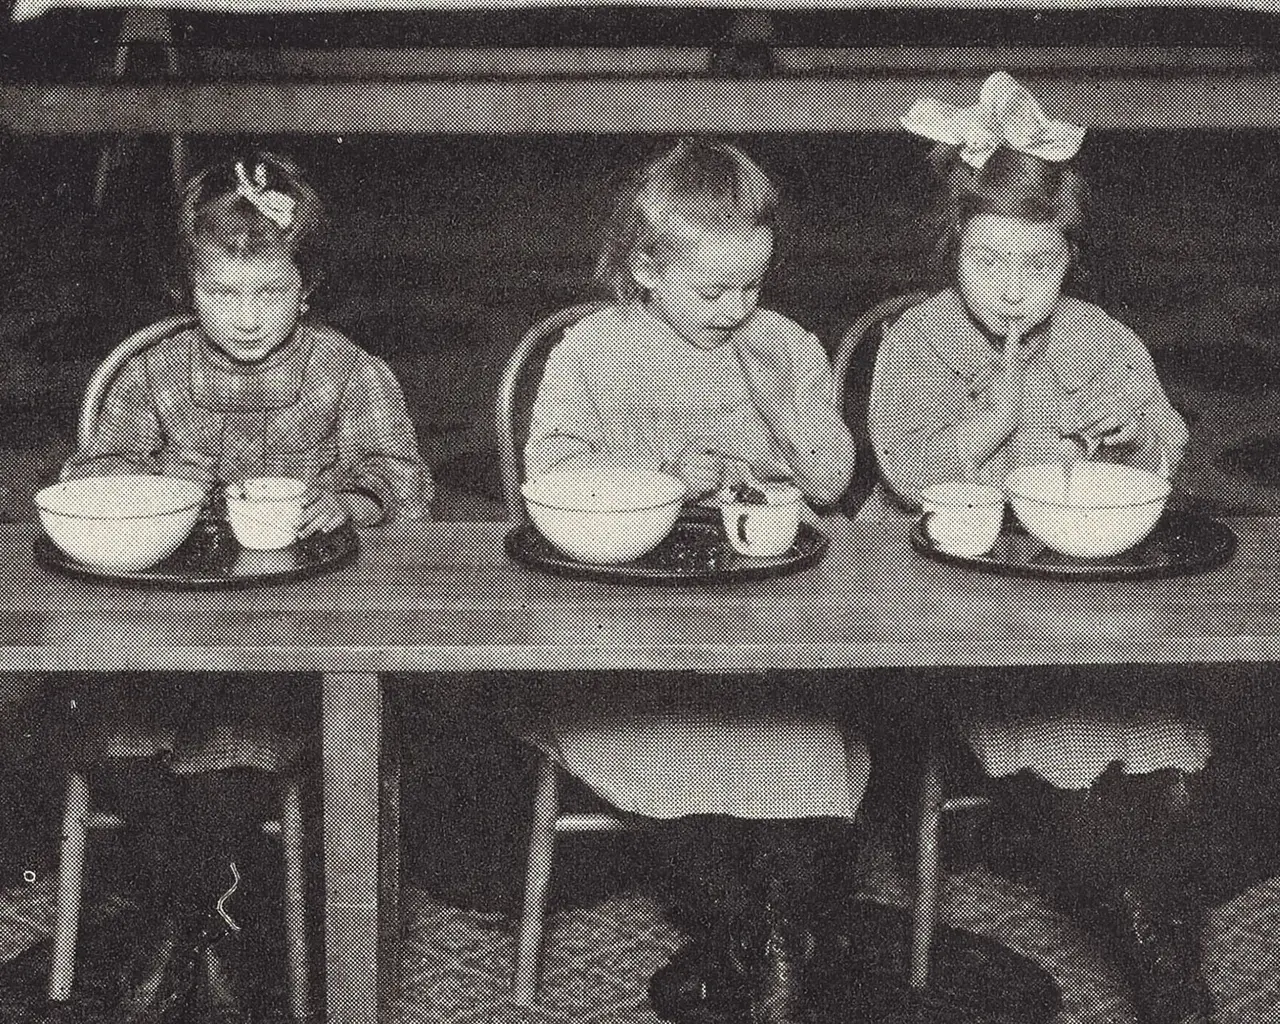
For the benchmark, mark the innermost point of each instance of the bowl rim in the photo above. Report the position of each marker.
(679, 492)
(679, 500)
(196, 502)
(1166, 488)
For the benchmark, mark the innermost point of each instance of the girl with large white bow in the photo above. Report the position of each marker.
(998, 369)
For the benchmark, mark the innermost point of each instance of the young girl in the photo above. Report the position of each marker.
(254, 388)
(685, 372)
(999, 369)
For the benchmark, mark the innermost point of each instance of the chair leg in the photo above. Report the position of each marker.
(537, 886)
(295, 900)
(66, 927)
(928, 894)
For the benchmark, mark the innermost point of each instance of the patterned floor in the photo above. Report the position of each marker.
(454, 965)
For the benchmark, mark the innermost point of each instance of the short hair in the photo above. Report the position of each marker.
(212, 211)
(696, 187)
(1010, 184)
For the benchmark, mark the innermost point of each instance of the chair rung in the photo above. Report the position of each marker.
(591, 823)
(962, 803)
(99, 820)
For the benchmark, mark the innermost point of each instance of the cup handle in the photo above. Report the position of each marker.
(924, 526)
(742, 527)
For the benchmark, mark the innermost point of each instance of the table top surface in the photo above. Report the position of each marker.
(445, 597)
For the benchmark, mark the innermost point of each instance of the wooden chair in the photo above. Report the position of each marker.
(79, 817)
(854, 361)
(854, 364)
(511, 423)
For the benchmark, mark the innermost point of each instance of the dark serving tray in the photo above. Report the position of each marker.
(212, 559)
(1180, 544)
(696, 551)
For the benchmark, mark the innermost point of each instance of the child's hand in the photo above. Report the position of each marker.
(1010, 384)
(1105, 414)
(322, 512)
(701, 468)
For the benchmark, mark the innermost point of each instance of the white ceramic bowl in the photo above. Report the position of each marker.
(1100, 510)
(120, 522)
(604, 514)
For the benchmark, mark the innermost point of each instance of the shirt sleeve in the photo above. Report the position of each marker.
(128, 437)
(565, 421)
(1162, 436)
(811, 428)
(378, 447)
(915, 409)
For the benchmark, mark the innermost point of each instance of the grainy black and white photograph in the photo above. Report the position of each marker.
(521, 512)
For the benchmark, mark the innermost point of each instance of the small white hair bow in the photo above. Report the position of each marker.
(272, 204)
(1006, 114)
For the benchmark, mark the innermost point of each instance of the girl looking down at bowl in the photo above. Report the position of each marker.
(686, 373)
(1000, 369)
(254, 389)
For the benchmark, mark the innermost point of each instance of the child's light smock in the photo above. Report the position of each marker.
(623, 383)
(320, 409)
(934, 371)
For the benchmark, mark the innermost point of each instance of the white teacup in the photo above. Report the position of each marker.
(962, 518)
(265, 512)
(764, 530)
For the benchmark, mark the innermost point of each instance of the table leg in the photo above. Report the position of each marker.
(351, 733)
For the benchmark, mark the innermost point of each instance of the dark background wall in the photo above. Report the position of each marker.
(444, 248)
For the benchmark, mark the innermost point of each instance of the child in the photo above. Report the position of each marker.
(686, 373)
(1001, 369)
(252, 389)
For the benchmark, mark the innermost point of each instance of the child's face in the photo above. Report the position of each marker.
(712, 286)
(1011, 271)
(248, 305)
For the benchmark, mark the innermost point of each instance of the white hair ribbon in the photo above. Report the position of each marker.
(272, 204)
(1006, 114)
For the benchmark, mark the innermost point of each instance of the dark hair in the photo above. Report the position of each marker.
(1010, 184)
(213, 211)
(694, 187)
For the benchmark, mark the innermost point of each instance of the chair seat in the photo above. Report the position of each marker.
(752, 765)
(1071, 751)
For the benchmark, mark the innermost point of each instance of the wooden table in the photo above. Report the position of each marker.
(442, 598)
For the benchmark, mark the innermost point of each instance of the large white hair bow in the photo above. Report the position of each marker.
(1006, 114)
(272, 204)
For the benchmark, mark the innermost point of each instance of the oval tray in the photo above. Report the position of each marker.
(1180, 544)
(211, 559)
(696, 551)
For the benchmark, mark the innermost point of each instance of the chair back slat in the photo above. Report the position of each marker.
(100, 383)
(511, 423)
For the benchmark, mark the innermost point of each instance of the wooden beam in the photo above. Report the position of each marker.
(25, 9)
(663, 106)
(497, 62)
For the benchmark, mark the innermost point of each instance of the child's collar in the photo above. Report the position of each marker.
(276, 382)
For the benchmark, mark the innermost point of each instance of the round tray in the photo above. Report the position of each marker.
(696, 551)
(211, 559)
(1181, 544)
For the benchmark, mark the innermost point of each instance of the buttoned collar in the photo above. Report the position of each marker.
(218, 382)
